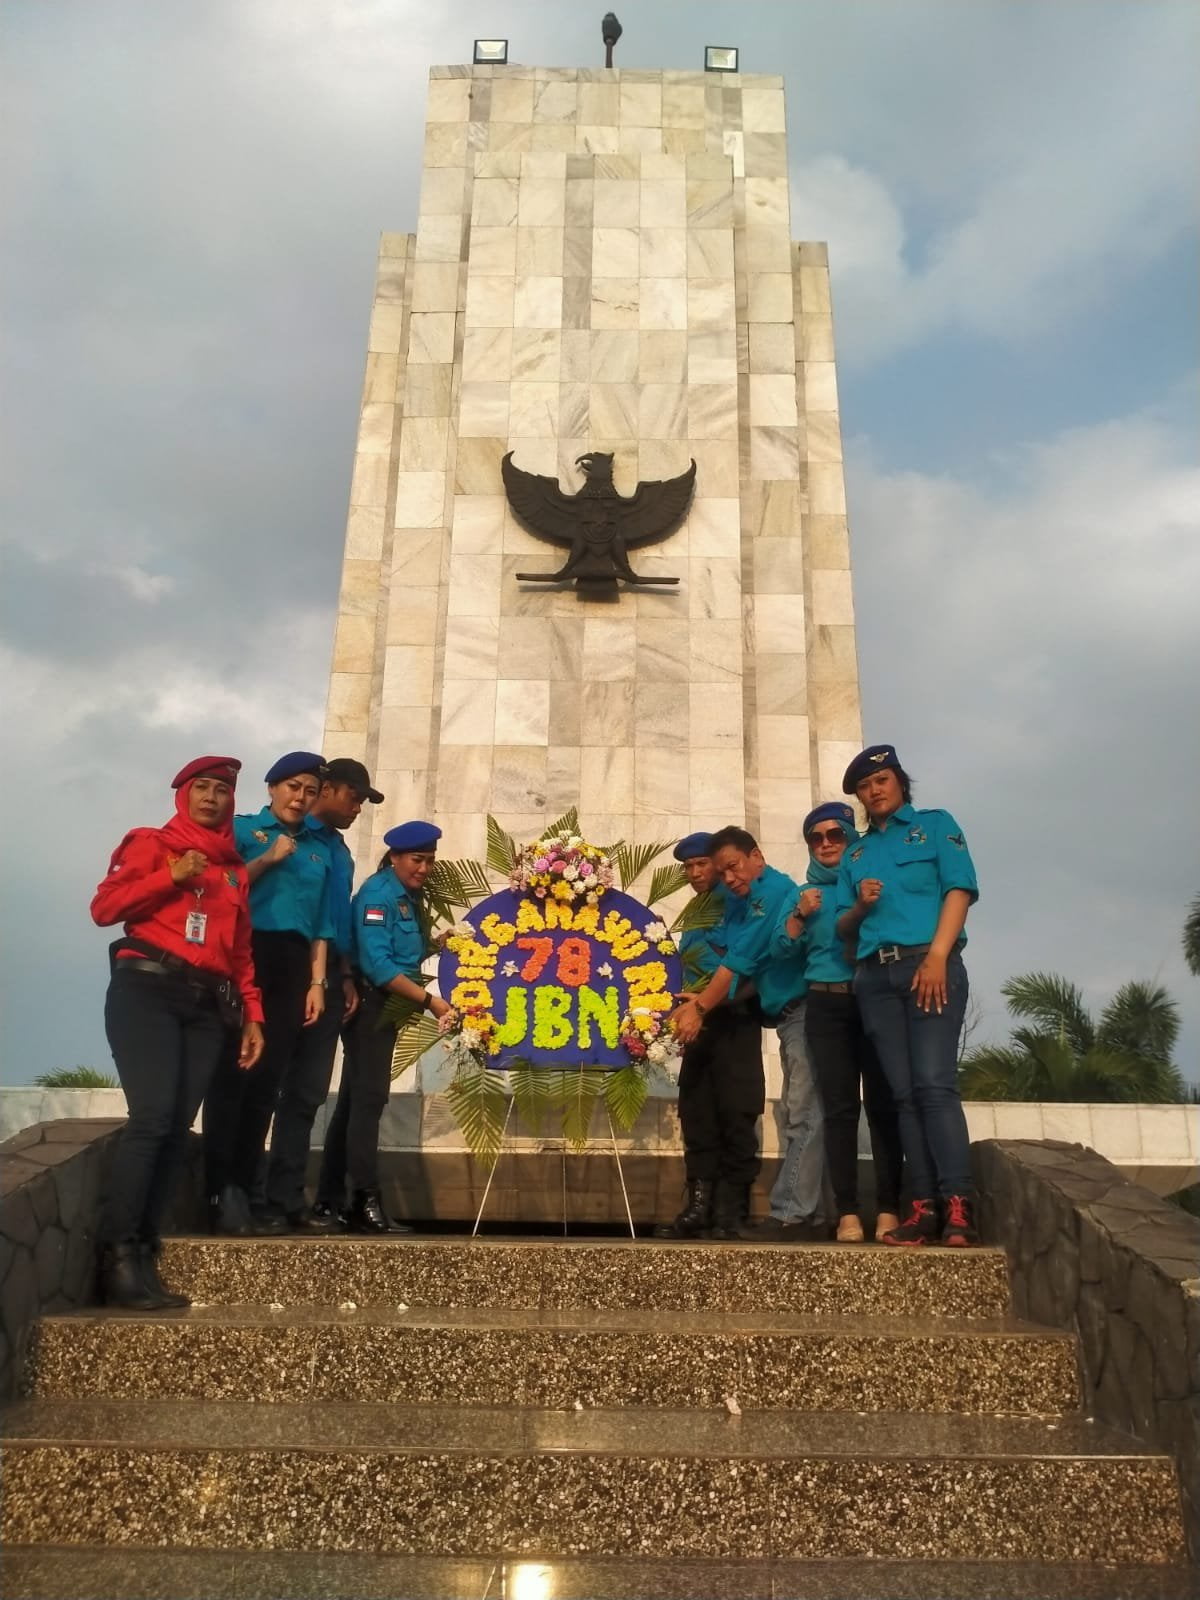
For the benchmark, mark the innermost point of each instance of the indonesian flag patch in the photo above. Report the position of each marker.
(374, 915)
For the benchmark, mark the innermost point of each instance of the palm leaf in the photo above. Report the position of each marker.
(631, 860)
(1054, 1004)
(995, 1072)
(501, 848)
(625, 1095)
(477, 1099)
(533, 1090)
(1191, 937)
(702, 911)
(666, 881)
(1141, 1019)
(412, 1042)
(583, 1088)
(568, 823)
(445, 883)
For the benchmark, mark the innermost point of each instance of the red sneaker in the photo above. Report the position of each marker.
(960, 1230)
(919, 1227)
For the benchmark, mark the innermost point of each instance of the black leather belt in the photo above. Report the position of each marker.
(184, 970)
(896, 952)
(830, 988)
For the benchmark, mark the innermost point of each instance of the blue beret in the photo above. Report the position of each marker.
(696, 844)
(412, 836)
(831, 811)
(293, 764)
(875, 758)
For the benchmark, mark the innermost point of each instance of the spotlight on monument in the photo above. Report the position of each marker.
(491, 52)
(610, 32)
(720, 58)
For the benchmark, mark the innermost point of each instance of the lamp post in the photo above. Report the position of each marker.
(610, 31)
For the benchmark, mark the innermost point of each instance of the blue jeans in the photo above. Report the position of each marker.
(918, 1051)
(796, 1194)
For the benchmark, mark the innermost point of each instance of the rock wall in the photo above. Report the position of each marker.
(51, 1179)
(1091, 1252)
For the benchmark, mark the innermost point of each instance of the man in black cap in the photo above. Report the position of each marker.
(721, 1084)
(345, 788)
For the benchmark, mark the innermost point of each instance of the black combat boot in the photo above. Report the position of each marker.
(167, 1299)
(731, 1207)
(694, 1221)
(368, 1216)
(122, 1284)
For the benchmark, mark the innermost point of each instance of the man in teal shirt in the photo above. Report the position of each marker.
(721, 1085)
(760, 897)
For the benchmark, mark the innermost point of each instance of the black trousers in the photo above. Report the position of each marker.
(849, 1077)
(302, 1093)
(239, 1105)
(722, 1092)
(352, 1138)
(166, 1038)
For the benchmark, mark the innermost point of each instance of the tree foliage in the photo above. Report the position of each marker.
(1191, 937)
(75, 1078)
(1061, 1053)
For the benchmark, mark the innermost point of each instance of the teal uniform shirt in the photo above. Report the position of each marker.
(750, 925)
(388, 940)
(293, 895)
(341, 883)
(918, 857)
(824, 953)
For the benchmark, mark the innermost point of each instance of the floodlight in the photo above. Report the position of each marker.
(491, 52)
(720, 58)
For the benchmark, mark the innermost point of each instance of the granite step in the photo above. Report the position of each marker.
(41, 1572)
(558, 1358)
(597, 1275)
(542, 1484)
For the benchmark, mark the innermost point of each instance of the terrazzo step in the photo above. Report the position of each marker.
(528, 1483)
(554, 1358)
(849, 1280)
(48, 1573)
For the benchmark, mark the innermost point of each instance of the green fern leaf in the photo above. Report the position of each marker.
(666, 881)
(412, 1041)
(477, 1099)
(631, 860)
(533, 1090)
(567, 823)
(625, 1095)
(702, 911)
(501, 848)
(583, 1088)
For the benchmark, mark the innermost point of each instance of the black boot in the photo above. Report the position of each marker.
(229, 1212)
(368, 1216)
(694, 1220)
(326, 1218)
(167, 1299)
(731, 1207)
(122, 1283)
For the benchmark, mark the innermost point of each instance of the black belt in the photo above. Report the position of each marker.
(895, 952)
(830, 988)
(185, 970)
(148, 958)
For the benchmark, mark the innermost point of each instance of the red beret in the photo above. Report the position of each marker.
(226, 767)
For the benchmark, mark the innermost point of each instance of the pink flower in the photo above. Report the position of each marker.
(585, 869)
(541, 864)
(540, 893)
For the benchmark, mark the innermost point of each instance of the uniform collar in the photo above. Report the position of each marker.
(904, 813)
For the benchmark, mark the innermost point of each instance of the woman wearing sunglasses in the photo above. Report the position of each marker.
(847, 1069)
(903, 895)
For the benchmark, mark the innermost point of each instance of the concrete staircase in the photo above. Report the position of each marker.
(440, 1416)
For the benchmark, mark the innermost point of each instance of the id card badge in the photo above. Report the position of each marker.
(193, 928)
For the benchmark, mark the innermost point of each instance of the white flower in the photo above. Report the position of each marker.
(605, 969)
(471, 1040)
(654, 931)
(570, 873)
(509, 969)
(461, 930)
(593, 899)
(657, 1053)
(574, 841)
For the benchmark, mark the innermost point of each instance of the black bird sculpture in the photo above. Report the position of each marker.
(598, 526)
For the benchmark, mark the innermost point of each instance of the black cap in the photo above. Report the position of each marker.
(344, 769)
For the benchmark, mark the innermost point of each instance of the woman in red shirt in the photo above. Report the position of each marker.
(182, 979)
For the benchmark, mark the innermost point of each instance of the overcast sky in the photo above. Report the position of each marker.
(192, 192)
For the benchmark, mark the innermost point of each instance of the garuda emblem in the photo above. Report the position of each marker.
(598, 526)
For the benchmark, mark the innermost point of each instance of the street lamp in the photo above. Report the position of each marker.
(720, 58)
(491, 52)
(610, 32)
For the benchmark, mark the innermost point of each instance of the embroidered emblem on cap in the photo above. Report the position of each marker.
(881, 755)
(374, 914)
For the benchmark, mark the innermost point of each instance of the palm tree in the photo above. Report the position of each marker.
(1191, 937)
(1064, 1055)
(75, 1078)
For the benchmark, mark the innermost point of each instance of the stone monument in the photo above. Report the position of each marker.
(603, 264)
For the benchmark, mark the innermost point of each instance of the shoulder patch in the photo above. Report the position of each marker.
(856, 855)
(374, 915)
(259, 835)
(916, 835)
(231, 879)
(404, 909)
(957, 840)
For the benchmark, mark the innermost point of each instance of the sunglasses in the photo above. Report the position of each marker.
(830, 836)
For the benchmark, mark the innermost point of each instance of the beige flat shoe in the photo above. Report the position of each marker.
(885, 1222)
(850, 1230)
